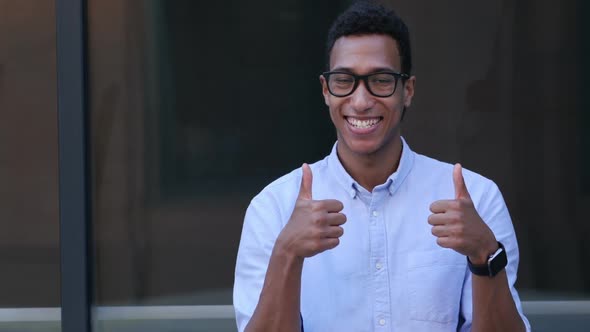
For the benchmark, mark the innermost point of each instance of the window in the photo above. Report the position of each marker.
(189, 122)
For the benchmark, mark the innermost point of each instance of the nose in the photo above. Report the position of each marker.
(361, 99)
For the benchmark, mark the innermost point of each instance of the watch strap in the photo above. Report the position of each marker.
(493, 266)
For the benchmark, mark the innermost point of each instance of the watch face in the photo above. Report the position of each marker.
(498, 261)
(496, 253)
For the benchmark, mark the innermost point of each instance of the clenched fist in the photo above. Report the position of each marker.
(315, 225)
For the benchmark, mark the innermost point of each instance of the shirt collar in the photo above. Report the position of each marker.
(393, 181)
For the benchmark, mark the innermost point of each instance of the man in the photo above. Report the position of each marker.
(376, 237)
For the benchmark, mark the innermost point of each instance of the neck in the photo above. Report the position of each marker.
(371, 170)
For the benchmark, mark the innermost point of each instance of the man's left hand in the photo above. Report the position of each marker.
(458, 226)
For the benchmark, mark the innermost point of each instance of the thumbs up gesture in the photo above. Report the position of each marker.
(458, 226)
(315, 225)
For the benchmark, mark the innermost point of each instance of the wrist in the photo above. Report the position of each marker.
(284, 254)
(494, 264)
(483, 255)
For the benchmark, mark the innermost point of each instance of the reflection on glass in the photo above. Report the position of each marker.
(29, 220)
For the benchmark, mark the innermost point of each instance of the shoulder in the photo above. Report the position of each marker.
(283, 191)
(436, 172)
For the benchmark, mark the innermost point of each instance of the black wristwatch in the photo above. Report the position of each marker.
(496, 263)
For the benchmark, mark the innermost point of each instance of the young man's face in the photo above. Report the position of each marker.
(367, 124)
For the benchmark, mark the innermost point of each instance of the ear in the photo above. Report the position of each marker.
(325, 91)
(409, 90)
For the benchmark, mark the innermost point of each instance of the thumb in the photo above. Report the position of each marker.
(306, 180)
(459, 182)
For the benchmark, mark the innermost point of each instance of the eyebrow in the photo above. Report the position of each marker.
(373, 70)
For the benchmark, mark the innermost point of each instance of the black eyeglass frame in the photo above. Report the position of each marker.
(365, 79)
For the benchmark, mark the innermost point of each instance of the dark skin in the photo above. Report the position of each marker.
(370, 155)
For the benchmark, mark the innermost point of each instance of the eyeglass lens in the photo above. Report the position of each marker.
(379, 84)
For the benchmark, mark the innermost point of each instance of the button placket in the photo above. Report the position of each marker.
(378, 243)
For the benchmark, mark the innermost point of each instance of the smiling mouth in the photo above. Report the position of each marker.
(363, 124)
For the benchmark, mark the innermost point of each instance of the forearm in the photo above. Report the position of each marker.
(493, 305)
(278, 308)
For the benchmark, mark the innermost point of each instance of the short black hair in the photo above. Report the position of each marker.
(367, 17)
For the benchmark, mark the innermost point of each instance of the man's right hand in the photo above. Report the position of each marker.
(314, 226)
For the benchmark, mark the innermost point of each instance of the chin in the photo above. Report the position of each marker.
(363, 148)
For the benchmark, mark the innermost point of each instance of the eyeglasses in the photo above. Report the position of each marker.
(383, 84)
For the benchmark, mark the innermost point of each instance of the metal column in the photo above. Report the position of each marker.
(74, 204)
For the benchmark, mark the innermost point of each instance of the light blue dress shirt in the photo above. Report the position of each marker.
(387, 273)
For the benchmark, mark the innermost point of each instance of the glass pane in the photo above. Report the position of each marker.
(29, 216)
(176, 158)
(181, 138)
(191, 116)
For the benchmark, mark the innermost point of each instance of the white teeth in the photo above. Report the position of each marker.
(362, 123)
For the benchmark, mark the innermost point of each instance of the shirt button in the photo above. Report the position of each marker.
(378, 266)
(375, 213)
(382, 322)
